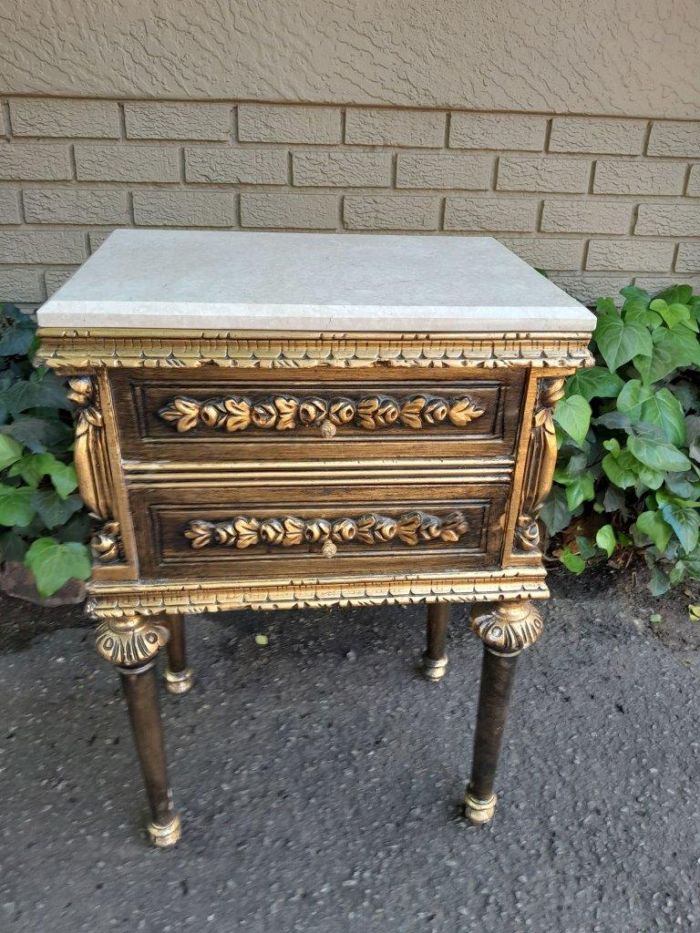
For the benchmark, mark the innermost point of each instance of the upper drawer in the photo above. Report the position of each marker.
(331, 415)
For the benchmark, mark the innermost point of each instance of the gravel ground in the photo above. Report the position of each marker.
(319, 778)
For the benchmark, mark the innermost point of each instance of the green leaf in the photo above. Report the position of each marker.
(38, 434)
(605, 539)
(658, 456)
(659, 582)
(10, 451)
(676, 293)
(655, 527)
(664, 410)
(596, 382)
(685, 522)
(555, 514)
(579, 489)
(672, 349)
(632, 397)
(12, 546)
(54, 563)
(52, 509)
(586, 548)
(620, 341)
(573, 562)
(621, 469)
(573, 414)
(33, 467)
(24, 394)
(16, 509)
(17, 337)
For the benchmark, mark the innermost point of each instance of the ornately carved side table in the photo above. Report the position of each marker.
(288, 420)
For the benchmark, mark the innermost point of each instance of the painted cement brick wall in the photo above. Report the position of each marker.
(595, 201)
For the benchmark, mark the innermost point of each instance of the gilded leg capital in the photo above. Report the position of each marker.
(130, 640)
(507, 628)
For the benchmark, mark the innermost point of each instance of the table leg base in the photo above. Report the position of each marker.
(434, 668)
(178, 682)
(479, 811)
(166, 835)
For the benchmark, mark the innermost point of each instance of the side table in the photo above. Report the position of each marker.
(272, 420)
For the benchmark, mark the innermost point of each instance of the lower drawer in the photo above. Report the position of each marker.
(294, 531)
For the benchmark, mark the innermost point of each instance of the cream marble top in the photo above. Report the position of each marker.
(177, 279)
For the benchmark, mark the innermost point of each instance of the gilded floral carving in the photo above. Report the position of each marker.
(286, 412)
(245, 531)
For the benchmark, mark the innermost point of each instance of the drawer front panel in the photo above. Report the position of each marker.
(217, 417)
(297, 531)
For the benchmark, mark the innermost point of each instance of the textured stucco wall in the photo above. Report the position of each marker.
(631, 57)
(569, 131)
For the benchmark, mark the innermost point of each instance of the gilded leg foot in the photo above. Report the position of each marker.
(178, 682)
(434, 668)
(479, 811)
(166, 834)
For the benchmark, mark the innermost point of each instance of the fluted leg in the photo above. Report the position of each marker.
(132, 644)
(435, 656)
(178, 676)
(505, 629)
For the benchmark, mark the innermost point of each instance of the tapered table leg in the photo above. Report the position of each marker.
(132, 644)
(435, 656)
(178, 676)
(505, 629)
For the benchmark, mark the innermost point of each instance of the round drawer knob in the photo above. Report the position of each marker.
(328, 429)
(329, 549)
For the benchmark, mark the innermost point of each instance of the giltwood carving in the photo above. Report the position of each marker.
(507, 627)
(92, 467)
(152, 599)
(130, 640)
(539, 466)
(287, 412)
(245, 531)
(79, 348)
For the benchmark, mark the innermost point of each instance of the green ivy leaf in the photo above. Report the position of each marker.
(573, 415)
(555, 514)
(24, 394)
(671, 349)
(38, 434)
(622, 468)
(579, 489)
(573, 562)
(12, 546)
(16, 508)
(54, 563)
(606, 540)
(632, 397)
(10, 451)
(655, 527)
(686, 524)
(52, 509)
(665, 412)
(596, 382)
(659, 582)
(620, 341)
(658, 456)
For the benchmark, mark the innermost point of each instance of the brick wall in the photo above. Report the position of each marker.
(597, 202)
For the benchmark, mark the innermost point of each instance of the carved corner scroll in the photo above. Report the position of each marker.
(508, 627)
(243, 531)
(93, 469)
(288, 412)
(539, 466)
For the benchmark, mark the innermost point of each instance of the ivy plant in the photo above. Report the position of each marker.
(43, 522)
(628, 473)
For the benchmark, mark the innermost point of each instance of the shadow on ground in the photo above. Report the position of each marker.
(319, 778)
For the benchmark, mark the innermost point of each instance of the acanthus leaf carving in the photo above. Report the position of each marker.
(130, 641)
